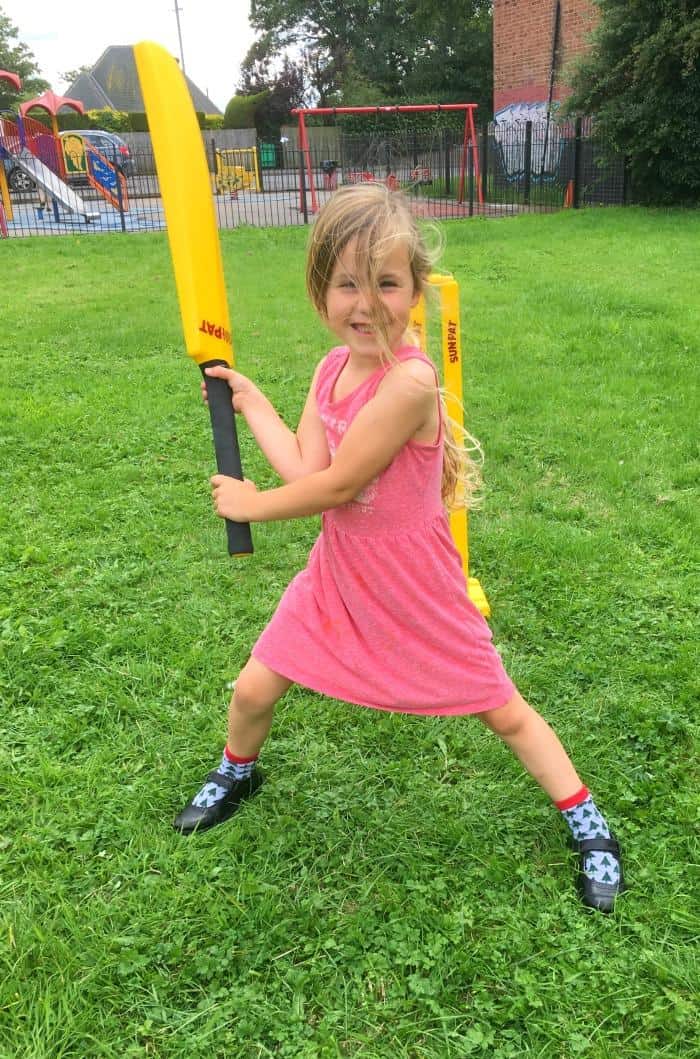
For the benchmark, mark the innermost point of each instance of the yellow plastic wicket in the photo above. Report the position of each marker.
(448, 291)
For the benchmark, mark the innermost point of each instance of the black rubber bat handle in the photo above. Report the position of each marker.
(228, 457)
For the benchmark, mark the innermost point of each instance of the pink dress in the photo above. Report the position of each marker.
(380, 616)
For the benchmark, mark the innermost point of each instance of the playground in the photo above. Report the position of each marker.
(256, 209)
(351, 915)
(488, 172)
(49, 164)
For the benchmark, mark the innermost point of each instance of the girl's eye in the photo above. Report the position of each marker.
(388, 283)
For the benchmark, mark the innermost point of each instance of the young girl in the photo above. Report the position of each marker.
(380, 616)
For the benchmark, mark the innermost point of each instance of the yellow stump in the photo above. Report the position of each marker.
(448, 291)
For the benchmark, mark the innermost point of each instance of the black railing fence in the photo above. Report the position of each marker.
(514, 168)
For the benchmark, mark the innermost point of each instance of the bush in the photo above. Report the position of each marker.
(111, 120)
(640, 82)
(43, 118)
(240, 111)
(420, 122)
(138, 122)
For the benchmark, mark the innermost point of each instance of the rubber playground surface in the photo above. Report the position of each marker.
(257, 209)
(30, 220)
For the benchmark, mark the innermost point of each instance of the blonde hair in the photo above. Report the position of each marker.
(378, 218)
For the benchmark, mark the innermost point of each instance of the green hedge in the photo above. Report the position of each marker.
(240, 111)
(401, 124)
(138, 122)
(115, 120)
(111, 120)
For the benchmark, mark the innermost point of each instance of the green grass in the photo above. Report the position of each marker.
(496, 193)
(400, 890)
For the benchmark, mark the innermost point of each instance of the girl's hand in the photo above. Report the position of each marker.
(241, 386)
(233, 499)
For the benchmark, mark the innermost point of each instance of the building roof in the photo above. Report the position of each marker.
(113, 84)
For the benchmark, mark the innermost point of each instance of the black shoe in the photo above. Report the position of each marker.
(598, 895)
(200, 818)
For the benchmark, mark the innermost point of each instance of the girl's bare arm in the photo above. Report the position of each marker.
(402, 406)
(292, 455)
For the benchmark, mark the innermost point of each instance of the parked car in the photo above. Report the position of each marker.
(114, 149)
(17, 179)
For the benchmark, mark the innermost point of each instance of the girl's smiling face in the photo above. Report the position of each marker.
(351, 309)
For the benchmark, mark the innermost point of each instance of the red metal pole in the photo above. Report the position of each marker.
(463, 162)
(413, 108)
(475, 154)
(469, 133)
(304, 148)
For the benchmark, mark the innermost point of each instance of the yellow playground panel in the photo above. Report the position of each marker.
(236, 169)
(74, 156)
(448, 292)
(5, 199)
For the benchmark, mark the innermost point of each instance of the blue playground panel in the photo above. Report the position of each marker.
(30, 220)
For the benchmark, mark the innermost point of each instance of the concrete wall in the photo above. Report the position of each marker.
(141, 141)
(323, 139)
(142, 151)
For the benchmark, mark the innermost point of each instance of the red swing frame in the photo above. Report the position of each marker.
(469, 136)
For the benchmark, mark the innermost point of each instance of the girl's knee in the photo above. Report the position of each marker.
(510, 720)
(257, 689)
(247, 700)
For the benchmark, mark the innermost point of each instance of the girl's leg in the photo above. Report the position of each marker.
(536, 745)
(256, 692)
(252, 707)
(539, 750)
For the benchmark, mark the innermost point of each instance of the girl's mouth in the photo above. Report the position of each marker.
(363, 329)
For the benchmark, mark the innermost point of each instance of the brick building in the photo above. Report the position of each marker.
(523, 39)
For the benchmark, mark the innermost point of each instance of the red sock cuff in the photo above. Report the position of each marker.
(572, 800)
(238, 760)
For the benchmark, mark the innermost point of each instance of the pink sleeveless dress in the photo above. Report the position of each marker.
(380, 617)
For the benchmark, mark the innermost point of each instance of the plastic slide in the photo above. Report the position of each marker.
(53, 185)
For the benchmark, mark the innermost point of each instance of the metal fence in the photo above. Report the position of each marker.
(526, 167)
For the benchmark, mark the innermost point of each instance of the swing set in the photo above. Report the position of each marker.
(419, 175)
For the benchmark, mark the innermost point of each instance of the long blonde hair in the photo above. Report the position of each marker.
(378, 219)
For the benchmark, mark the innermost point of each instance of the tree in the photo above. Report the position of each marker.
(641, 83)
(271, 86)
(72, 75)
(356, 90)
(256, 68)
(453, 61)
(316, 26)
(18, 59)
(403, 48)
(285, 93)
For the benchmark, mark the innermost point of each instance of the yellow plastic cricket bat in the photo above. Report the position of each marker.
(194, 247)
